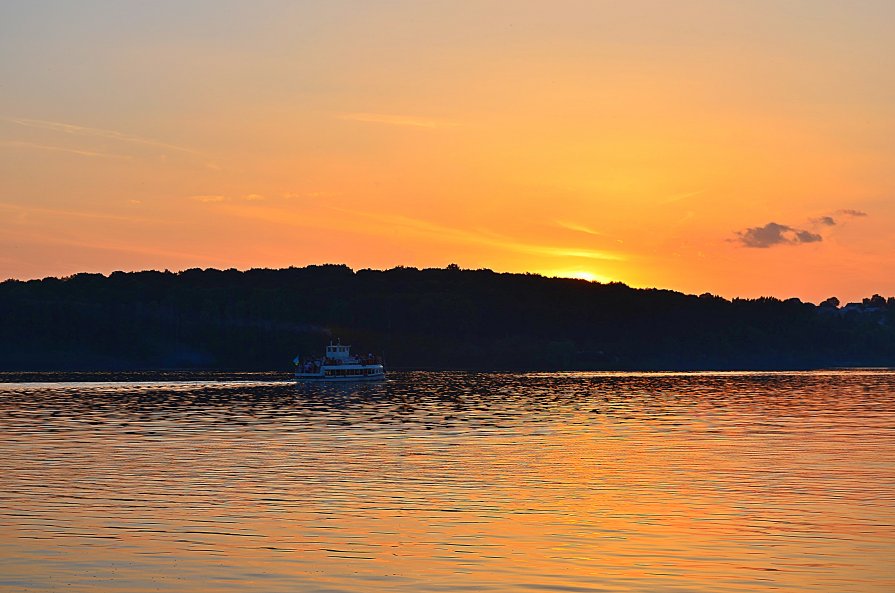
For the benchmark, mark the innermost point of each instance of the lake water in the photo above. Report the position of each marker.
(572, 482)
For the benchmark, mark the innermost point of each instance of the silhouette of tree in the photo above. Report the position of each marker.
(432, 318)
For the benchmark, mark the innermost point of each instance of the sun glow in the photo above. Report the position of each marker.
(581, 275)
(558, 145)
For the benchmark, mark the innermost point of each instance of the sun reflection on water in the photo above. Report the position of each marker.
(447, 481)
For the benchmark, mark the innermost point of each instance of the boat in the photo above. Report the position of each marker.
(338, 364)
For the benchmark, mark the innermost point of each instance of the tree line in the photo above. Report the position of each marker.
(446, 318)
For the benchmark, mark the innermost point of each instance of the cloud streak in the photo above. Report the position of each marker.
(398, 120)
(23, 213)
(679, 197)
(77, 151)
(218, 198)
(829, 219)
(72, 129)
(43, 239)
(482, 237)
(580, 228)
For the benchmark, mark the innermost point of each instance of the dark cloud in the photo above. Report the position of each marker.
(776, 234)
(840, 214)
(807, 237)
(781, 234)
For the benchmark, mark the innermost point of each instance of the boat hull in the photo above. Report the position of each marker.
(321, 379)
(343, 374)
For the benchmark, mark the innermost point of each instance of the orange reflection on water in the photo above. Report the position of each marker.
(612, 482)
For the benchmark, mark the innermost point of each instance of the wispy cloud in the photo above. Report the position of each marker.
(573, 226)
(412, 121)
(208, 198)
(73, 129)
(353, 220)
(24, 213)
(565, 251)
(43, 239)
(484, 237)
(684, 196)
(217, 198)
(77, 151)
(580, 228)
(836, 217)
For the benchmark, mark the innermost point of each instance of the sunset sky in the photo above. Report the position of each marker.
(738, 148)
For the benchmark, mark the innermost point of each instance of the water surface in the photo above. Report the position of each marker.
(710, 482)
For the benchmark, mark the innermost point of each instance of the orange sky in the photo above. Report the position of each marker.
(641, 143)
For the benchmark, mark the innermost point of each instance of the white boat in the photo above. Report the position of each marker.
(339, 365)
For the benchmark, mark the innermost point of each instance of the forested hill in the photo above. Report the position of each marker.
(434, 318)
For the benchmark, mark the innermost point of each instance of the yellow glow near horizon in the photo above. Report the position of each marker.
(634, 143)
(584, 276)
(579, 275)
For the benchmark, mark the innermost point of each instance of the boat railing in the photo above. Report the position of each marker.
(314, 364)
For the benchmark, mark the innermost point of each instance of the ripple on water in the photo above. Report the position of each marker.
(449, 481)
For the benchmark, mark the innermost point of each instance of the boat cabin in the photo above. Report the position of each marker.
(337, 351)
